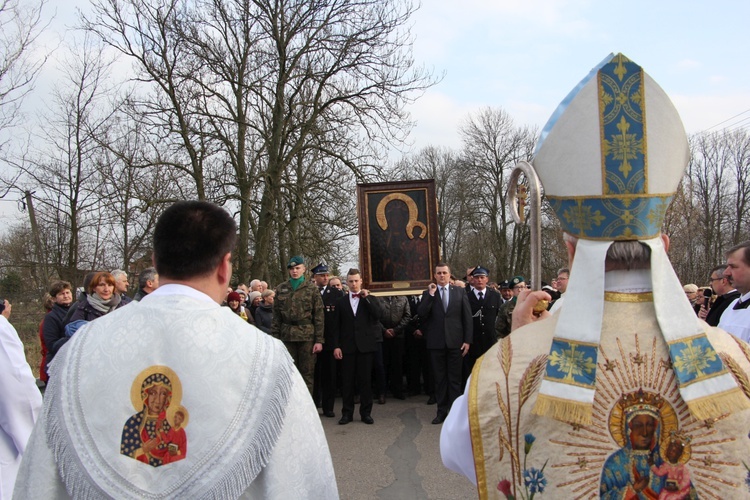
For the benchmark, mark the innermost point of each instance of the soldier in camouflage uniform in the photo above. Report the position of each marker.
(503, 324)
(298, 319)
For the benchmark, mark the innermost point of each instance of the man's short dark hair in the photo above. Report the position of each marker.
(719, 270)
(148, 274)
(191, 238)
(443, 264)
(353, 271)
(745, 245)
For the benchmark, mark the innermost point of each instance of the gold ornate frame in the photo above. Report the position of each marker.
(398, 236)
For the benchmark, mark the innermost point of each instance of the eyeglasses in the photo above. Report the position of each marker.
(520, 287)
(716, 279)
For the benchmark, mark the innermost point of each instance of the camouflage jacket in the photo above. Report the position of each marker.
(298, 314)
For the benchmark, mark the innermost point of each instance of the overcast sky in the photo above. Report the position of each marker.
(525, 55)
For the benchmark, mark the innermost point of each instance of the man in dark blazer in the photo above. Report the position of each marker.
(358, 323)
(447, 326)
(484, 303)
(325, 364)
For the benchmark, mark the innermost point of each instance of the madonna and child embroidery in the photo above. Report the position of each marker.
(155, 435)
(643, 441)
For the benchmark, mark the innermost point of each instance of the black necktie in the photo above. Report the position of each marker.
(481, 296)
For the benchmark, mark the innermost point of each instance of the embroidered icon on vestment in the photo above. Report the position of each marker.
(155, 435)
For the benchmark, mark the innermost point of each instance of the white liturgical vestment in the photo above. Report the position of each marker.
(176, 397)
(20, 402)
(643, 441)
(737, 321)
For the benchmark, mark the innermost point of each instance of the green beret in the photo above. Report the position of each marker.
(295, 261)
(516, 280)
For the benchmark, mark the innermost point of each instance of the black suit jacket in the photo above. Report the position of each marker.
(490, 305)
(330, 297)
(446, 329)
(719, 306)
(360, 332)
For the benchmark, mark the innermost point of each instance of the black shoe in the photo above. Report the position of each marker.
(399, 395)
(381, 399)
(345, 419)
(439, 419)
(329, 414)
(432, 400)
(368, 420)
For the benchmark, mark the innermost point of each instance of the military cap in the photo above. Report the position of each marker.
(504, 284)
(516, 280)
(480, 271)
(320, 269)
(295, 261)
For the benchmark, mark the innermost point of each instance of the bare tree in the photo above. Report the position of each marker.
(20, 26)
(709, 211)
(63, 171)
(240, 90)
(493, 145)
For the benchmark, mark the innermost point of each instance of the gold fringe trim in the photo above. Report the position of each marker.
(476, 432)
(629, 297)
(716, 405)
(565, 410)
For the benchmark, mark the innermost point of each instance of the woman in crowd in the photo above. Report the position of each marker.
(253, 301)
(264, 311)
(100, 300)
(49, 303)
(234, 301)
(53, 325)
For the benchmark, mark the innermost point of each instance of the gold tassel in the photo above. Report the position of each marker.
(716, 405)
(565, 410)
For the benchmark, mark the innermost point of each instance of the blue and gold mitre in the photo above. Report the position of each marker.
(612, 155)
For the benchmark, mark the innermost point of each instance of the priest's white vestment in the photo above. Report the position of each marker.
(176, 397)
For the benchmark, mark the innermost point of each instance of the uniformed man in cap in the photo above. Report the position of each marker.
(503, 325)
(485, 304)
(505, 292)
(298, 319)
(325, 365)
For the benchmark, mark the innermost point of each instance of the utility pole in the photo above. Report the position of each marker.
(41, 262)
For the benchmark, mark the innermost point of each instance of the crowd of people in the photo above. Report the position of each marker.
(401, 363)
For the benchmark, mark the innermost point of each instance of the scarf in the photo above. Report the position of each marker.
(101, 305)
(296, 282)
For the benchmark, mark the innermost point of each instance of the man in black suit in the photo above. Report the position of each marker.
(358, 323)
(325, 364)
(447, 326)
(484, 303)
(725, 295)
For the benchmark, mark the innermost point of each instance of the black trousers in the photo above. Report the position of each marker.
(393, 358)
(325, 369)
(418, 370)
(356, 367)
(447, 367)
